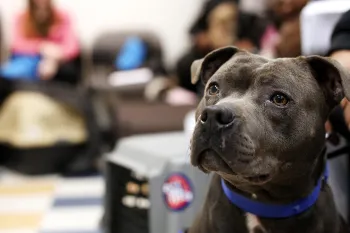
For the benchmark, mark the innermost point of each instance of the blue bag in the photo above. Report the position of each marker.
(21, 67)
(132, 55)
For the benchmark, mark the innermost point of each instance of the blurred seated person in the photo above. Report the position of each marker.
(285, 17)
(217, 26)
(340, 51)
(44, 45)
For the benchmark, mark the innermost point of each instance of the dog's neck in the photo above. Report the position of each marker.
(287, 191)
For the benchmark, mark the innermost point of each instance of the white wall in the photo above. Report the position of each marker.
(170, 19)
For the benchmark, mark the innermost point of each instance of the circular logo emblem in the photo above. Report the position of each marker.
(177, 192)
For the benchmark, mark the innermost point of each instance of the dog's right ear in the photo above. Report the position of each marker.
(332, 77)
(204, 68)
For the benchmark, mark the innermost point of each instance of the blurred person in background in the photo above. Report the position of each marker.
(340, 41)
(220, 23)
(340, 51)
(215, 27)
(285, 17)
(45, 32)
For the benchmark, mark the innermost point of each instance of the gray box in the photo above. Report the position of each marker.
(176, 190)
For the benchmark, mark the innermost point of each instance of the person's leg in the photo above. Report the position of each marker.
(341, 164)
(338, 123)
(68, 72)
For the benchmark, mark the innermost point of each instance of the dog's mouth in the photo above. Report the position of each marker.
(258, 179)
(210, 161)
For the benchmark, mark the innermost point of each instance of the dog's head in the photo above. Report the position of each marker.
(262, 120)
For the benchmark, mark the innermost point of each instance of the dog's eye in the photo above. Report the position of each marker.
(213, 89)
(279, 99)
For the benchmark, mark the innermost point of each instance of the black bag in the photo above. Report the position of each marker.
(65, 158)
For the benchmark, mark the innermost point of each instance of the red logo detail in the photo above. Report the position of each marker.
(177, 192)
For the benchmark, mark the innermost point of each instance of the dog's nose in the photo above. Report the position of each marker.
(217, 115)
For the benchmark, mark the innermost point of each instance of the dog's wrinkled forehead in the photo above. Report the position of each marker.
(245, 70)
(242, 69)
(242, 63)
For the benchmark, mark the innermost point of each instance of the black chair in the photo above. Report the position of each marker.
(64, 158)
(338, 154)
(136, 115)
(59, 157)
(107, 46)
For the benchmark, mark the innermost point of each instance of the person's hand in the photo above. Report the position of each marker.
(180, 96)
(345, 104)
(47, 69)
(51, 51)
(328, 127)
(346, 107)
(343, 57)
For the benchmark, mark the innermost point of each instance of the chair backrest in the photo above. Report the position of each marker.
(108, 45)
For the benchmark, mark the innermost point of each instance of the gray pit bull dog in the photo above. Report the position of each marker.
(260, 129)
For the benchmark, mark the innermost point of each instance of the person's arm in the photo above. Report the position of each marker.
(340, 51)
(20, 43)
(340, 41)
(70, 42)
(183, 71)
(342, 56)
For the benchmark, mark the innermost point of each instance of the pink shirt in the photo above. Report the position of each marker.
(61, 34)
(269, 41)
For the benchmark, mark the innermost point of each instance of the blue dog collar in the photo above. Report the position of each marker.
(271, 210)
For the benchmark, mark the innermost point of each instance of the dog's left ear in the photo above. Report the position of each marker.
(204, 68)
(333, 78)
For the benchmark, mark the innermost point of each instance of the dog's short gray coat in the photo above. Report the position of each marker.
(260, 127)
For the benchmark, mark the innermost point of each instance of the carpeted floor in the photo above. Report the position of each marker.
(50, 204)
